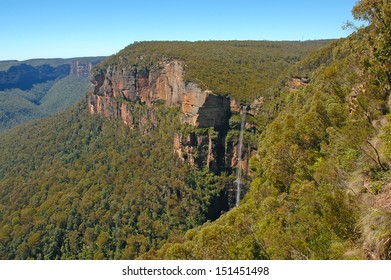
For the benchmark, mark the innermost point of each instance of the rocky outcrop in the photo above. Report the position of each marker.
(204, 109)
(115, 91)
(130, 114)
(232, 155)
(202, 148)
(255, 106)
(235, 106)
(217, 150)
(146, 86)
(80, 69)
(296, 83)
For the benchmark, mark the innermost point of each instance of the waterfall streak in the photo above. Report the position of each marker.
(239, 165)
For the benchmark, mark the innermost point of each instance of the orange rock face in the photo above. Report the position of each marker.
(113, 88)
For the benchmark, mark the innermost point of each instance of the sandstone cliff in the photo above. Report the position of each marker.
(132, 93)
(116, 91)
(211, 136)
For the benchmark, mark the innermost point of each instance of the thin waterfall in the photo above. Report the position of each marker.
(239, 165)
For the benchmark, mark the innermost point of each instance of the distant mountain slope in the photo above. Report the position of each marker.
(64, 94)
(24, 76)
(39, 87)
(54, 62)
(16, 109)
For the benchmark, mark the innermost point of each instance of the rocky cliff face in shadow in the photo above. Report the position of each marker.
(204, 109)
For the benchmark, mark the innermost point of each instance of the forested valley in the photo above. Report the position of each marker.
(84, 186)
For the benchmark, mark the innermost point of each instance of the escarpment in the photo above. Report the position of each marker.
(115, 92)
(133, 95)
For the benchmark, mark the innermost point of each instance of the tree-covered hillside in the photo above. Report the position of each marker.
(321, 187)
(76, 186)
(242, 69)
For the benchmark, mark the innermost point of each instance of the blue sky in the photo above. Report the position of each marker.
(72, 28)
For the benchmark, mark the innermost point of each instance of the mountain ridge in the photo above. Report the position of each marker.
(26, 85)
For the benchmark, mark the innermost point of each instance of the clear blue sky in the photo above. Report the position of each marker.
(71, 28)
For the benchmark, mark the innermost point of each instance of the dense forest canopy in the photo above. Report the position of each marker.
(76, 186)
(80, 186)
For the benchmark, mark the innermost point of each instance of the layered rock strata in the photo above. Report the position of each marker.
(115, 92)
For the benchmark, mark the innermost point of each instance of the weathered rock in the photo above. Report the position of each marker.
(235, 106)
(114, 87)
(112, 108)
(202, 148)
(255, 106)
(97, 83)
(204, 109)
(184, 149)
(231, 156)
(297, 82)
(80, 69)
(147, 86)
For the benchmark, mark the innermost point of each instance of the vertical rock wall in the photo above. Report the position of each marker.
(114, 87)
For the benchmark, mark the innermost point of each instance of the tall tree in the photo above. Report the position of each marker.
(378, 15)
